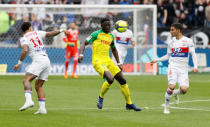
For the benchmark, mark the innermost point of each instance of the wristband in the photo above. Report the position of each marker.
(118, 63)
(81, 55)
(19, 62)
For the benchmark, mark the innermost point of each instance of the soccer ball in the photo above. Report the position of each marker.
(121, 26)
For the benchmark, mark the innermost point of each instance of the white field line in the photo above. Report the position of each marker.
(110, 108)
(195, 109)
(192, 101)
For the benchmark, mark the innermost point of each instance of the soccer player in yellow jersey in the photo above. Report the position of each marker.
(102, 40)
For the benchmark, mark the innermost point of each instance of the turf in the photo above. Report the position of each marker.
(72, 103)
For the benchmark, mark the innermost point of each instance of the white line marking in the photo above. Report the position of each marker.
(195, 109)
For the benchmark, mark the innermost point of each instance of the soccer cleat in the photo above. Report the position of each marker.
(100, 102)
(176, 97)
(41, 111)
(166, 110)
(66, 75)
(74, 76)
(26, 106)
(132, 107)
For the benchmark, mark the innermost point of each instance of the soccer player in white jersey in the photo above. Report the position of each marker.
(123, 38)
(32, 43)
(178, 54)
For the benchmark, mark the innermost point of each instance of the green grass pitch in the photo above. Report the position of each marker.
(72, 103)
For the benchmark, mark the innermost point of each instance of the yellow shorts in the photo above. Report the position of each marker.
(105, 65)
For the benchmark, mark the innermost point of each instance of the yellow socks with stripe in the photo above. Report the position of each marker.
(126, 92)
(104, 89)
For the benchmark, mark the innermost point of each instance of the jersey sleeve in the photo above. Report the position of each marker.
(191, 46)
(92, 37)
(23, 41)
(42, 34)
(132, 38)
(112, 44)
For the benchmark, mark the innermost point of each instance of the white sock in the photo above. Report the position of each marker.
(168, 94)
(28, 96)
(42, 103)
(177, 91)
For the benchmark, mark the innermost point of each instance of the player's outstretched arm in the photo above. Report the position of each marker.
(22, 57)
(82, 49)
(54, 33)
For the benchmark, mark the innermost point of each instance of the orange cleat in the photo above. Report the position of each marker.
(66, 75)
(74, 76)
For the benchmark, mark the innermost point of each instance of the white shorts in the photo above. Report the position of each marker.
(40, 68)
(178, 75)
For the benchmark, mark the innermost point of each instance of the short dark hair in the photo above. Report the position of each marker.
(177, 26)
(104, 20)
(25, 26)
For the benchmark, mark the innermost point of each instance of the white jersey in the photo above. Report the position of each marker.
(178, 52)
(34, 40)
(123, 38)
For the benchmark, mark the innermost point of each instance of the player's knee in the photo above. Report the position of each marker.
(110, 80)
(171, 87)
(122, 81)
(183, 91)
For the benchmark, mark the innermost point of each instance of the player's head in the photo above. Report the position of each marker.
(121, 26)
(26, 26)
(176, 29)
(72, 25)
(105, 25)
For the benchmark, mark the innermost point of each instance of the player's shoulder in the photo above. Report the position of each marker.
(95, 33)
(172, 40)
(129, 31)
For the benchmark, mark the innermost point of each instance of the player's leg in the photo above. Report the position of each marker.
(183, 82)
(68, 57)
(172, 79)
(75, 56)
(108, 80)
(28, 91)
(126, 92)
(39, 89)
(41, 96)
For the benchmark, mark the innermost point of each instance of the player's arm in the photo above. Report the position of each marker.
(163, 58)
(82, 49)
(89, 40)
(22, 56)
(56, 32)
(115, 53)
(194, 57)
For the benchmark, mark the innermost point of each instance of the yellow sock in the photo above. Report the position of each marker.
(104, 89)
(126, 92)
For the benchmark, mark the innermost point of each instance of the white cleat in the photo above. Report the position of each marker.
(26, 106)
(41, 111)
(176, 98)
(166, 110)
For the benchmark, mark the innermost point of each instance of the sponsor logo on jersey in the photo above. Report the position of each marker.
(180, 52)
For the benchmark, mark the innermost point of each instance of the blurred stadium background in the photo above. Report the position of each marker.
(149, 20)
(151, 30)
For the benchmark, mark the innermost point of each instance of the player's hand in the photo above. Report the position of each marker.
(16, 67)
(80, 59)
(66, 32)
(153, 61)
(195, 70)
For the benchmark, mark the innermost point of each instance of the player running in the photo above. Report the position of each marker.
(178, 54)
(102, 40)
(32, 43)
(72, 44)
(123, 37)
